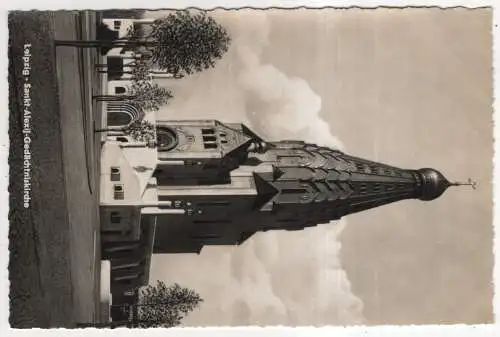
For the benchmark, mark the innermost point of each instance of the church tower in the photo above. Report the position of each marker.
(226, 184)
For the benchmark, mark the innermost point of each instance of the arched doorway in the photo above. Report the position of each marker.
(122, 113)
(118, 118)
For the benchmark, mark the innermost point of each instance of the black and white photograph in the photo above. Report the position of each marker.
(237, 167)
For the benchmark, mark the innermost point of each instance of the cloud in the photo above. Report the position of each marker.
(280, 105)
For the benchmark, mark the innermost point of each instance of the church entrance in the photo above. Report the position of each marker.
(122, 114)
(118, 118)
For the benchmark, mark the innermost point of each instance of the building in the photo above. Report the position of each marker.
(120, 60)
(122, 26)
(210, 183)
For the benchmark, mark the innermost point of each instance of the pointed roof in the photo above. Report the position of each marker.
(236, 138)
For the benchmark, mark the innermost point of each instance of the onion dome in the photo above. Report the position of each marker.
(434, 184)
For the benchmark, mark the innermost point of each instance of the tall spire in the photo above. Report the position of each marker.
(314, 184)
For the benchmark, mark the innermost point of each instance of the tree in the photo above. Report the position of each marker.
(164, 306)
(140, 130)
(141, 71)
(143, 94)
(181, 42)
(158, 306)
(190, 42)
(140, 63)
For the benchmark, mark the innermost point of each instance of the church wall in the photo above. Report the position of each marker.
(119, 183)
(202, 139)
(236, 185)
(130, 259)
(192, 143)
(194, 173)
(209, 219)
(119, 223)
(119, 87)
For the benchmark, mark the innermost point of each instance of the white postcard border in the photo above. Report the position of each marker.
(431, 330)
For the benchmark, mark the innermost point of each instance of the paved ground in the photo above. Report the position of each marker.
(54, 245)
(74, 74)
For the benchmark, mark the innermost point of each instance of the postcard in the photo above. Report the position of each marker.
(250, 167)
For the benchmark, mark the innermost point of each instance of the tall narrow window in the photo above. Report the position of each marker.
(115, 217)
(208, 131)
(115, 173)
(117, 24)
(119, 193)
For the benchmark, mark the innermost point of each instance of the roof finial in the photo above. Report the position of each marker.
(469, 182)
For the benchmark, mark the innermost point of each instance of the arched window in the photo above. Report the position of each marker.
(115, 173)
(121, 114)
(119, 193)
(120, 90)
(119, 118)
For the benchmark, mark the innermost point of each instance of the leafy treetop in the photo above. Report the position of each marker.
(188, 42)
(165, 306)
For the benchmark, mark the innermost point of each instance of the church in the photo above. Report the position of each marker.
(212, 183)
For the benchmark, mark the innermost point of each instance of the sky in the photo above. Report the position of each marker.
(410, 88)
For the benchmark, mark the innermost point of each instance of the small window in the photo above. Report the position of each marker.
(209, 138)
(115, 174)
(122, 139)
(210, 145)
(115, 218)
(117, 24)
(208, 131)
(119, 90)
(119, 193)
